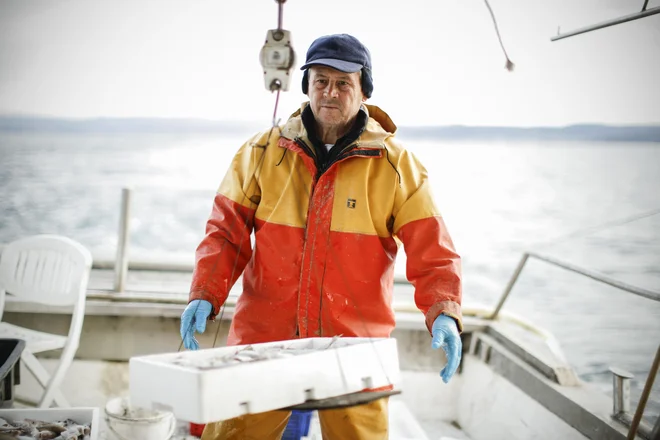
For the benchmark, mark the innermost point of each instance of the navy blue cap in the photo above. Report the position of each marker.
(341, 51)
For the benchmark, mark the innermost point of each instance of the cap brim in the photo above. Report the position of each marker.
(343, 66)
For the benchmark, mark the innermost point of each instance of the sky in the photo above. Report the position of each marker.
(435, 62)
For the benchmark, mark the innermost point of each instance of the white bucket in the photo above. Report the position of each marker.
(128, 423)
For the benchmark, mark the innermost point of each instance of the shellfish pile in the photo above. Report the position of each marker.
(30, 429)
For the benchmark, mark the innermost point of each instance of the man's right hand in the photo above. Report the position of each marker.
(194, 318)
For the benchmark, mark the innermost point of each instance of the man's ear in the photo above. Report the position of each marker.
(305, 82)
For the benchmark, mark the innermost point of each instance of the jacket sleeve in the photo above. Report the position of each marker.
(226, 248)
(433, 267)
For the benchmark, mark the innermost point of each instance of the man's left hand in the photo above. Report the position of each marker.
(445, 335)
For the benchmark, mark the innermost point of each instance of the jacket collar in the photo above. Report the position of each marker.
(379, 126)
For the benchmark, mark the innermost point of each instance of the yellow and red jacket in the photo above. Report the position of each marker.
(325, 241)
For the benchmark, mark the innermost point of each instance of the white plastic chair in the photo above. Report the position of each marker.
(51, 270)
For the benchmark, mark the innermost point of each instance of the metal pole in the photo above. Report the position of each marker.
(646, 2)
(509, 287)
(645, 396)
(121, 262)
(621, 391)
(631, 17)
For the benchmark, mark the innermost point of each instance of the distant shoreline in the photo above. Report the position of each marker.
(577, 132)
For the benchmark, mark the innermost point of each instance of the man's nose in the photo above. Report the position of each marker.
(331, 91)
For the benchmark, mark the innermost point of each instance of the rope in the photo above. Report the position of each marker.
(593, 229)
(509, 64)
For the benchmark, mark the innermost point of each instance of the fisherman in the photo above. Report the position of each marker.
(329, 195)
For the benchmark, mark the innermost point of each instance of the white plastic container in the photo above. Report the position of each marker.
(81, 415)
(198, 388)
(126, 422)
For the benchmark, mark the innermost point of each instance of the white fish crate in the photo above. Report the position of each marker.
(80, 415)
(215, 384)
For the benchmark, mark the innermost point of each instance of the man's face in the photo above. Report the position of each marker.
(334, 96)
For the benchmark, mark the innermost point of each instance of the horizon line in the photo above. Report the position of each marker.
(81, 119)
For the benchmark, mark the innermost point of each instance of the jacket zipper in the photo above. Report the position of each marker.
(305, 148)
(311, 154)
(345, 153)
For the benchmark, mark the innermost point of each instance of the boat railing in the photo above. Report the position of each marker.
(621, 378)
(655, 296)
(121, 263)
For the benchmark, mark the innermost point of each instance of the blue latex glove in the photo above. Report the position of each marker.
(445, 335)
(194, 318)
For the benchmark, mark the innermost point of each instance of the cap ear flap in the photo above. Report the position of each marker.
(305, 81)
(367, 83)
